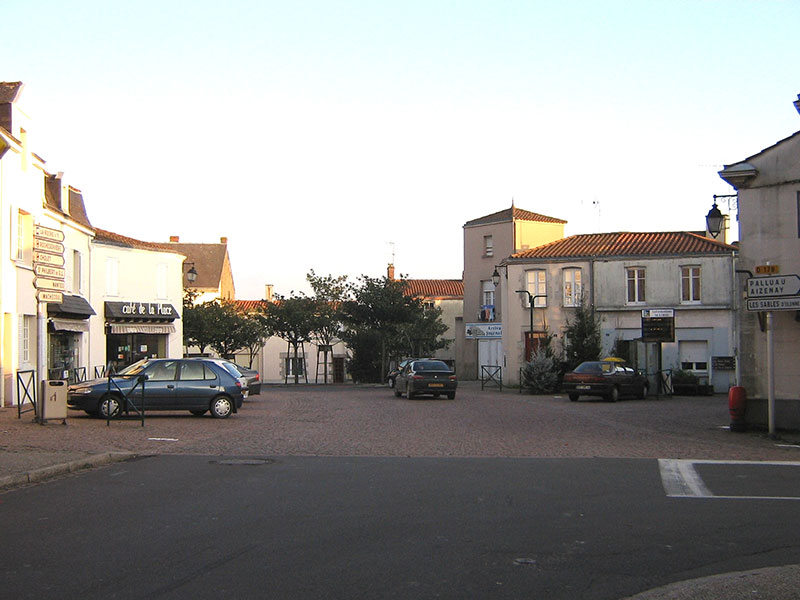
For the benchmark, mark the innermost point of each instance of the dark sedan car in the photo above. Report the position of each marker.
(253, 380)
(426, 377)
(610, 379)
(196, 385)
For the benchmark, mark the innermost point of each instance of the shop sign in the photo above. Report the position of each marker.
(483, 330)
(658, 325)
(140, 310)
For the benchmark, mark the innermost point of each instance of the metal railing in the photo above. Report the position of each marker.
(125, 406)
(75, 375)
(26, 391)
(492, 374)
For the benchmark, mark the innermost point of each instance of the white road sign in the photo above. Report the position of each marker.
(764, 304)
(773, 286)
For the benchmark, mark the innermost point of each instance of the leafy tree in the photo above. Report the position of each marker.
(230, 328)
(380, 320)
(292, 319)
(199, 322)
(254, 333)
(329, 294)
(582, 336)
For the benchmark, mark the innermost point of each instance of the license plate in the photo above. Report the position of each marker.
(583, 387)
(435, 385)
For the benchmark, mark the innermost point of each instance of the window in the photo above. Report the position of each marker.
(76, 271)
(25, 328)
(572, 287)
(487, 312)
(536, 284)
(690, 284)
(194, 370)
(24, 239)
(112, 277)
(295, 366)
(161, 281)
(635, 285)
(488, 246)
(694, 356)
(162, 371)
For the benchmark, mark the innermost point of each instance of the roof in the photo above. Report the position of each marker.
(250, 305)
(209, 260)
(512, 214)
(52, 199)
(639, 244)
(10, 90)
(115, 239)
(435, 288)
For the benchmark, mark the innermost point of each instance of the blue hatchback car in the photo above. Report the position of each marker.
(198, 385)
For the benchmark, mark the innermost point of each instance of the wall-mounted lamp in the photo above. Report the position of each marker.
(191, 274)
(714, 221)
(496, 274)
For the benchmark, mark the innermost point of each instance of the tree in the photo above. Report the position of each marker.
(381, 320)
(255, 332)
(292, 319)
(216, 324)
(582, 336)
(541, 374)
(329, 294)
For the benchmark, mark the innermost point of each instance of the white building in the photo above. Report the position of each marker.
(768, 186)
(620, 275)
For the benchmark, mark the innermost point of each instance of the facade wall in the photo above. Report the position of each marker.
(769, 233)
(136, 283)
(710, 322)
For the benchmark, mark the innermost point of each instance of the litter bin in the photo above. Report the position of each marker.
(737, 406)
(54, 400)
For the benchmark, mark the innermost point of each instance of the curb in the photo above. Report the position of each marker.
(44, 473)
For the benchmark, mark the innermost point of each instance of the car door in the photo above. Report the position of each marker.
(159, 385)
(197, 384)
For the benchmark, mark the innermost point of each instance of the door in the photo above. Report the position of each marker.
(159, 385)
(198, 383)
(490, 354)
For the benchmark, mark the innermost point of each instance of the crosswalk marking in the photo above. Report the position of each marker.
(681, 480)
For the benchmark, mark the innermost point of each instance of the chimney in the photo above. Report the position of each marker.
(390, 271)
(174, 239)
(268, 292)
(223, 240)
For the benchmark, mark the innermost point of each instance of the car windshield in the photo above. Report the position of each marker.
(135, 368)
(594, 367)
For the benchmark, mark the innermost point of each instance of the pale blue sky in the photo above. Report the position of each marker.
(312, 134)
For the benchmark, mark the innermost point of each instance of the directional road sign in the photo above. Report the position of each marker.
(773, 286)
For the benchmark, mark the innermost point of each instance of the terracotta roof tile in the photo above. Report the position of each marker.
(514, 213)
(250, 305)
(435, 288)
(115, 239)
(658, 243)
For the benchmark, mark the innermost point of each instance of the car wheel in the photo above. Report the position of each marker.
(643, 393)
(451, 395)
(614, 395)
(198, 413)
(391, 382)
(397, 393)
(221, 407)
(574, 397)
(110, 406)
(409, 394)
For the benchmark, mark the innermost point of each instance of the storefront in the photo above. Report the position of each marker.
(67, 322)
(137, 330)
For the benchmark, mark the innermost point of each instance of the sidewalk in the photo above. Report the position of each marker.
(23, 461)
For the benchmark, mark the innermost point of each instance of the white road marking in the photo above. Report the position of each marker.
(681, 480)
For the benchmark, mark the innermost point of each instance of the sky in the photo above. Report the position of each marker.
(340, 136)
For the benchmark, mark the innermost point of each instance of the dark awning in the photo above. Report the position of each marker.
(140, 311)
(73, 307)
(74, 325)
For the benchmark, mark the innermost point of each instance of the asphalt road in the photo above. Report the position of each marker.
(351, 493)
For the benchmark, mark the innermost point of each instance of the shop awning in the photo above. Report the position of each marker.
(142, 328)
(73, 306)
(77, 325)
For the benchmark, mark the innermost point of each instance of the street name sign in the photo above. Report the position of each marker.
(773, 286)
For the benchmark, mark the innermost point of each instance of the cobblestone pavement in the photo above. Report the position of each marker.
(369, 421)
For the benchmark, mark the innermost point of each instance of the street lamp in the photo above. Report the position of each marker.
(496, 277)
(714, 220)
(531, 300)
(191, 274)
